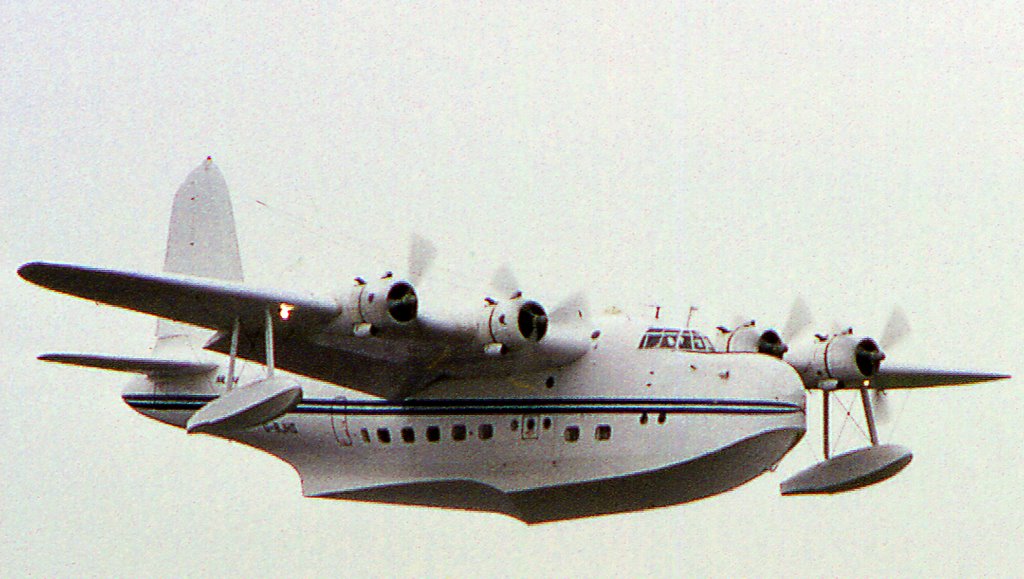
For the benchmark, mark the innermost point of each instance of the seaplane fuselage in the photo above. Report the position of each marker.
(631, 425)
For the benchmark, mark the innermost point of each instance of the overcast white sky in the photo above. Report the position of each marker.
(727, 155)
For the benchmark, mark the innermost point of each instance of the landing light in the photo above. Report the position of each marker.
(286, 311)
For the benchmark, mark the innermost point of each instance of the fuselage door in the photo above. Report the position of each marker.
(339, 421)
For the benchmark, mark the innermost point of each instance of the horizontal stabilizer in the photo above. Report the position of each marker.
(246, 406)
(198, 301)
(149, 366)
(891, 377)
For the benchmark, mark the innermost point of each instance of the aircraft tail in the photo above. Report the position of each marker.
(201, 241)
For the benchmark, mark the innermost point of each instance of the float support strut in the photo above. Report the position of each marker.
(233, 354)
(824, 411)
(269, 338)
(869, 416)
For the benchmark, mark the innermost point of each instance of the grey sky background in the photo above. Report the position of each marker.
(731, 156)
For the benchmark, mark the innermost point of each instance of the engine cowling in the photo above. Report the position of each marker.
(377, 305)
(513, 324)
(748, 338)
(845, 358)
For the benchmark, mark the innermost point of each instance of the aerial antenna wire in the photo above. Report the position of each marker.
(337, 235)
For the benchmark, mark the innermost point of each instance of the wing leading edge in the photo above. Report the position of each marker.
(307, 340)
(198, 301)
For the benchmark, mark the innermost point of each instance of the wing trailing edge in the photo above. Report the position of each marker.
(148, 366)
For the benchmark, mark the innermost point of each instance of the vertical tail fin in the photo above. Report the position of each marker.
(201, 241)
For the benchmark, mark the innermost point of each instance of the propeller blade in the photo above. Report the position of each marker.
(799, 319)
(880, 400)
(421, 256)
(573, 307)
(505, 282)
(896, 329)
(837, 328)
(741, 321)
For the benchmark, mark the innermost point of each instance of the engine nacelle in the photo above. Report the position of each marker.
(845, 358)
(376, 305)
(748, 338)
(513, 324)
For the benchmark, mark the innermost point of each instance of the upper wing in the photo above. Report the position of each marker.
(890, 377)
(393, 365)
(198, 301)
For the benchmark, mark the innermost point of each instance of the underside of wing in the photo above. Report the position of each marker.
(349, 368)
(148, 366)
(890, 377)
(316, 337)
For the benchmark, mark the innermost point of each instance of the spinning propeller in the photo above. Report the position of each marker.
(745, 337)
(422, 254)
(842, 360)
(402, 300)
(531, 319)
(896, 330)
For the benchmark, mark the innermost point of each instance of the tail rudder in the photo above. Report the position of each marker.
(202, 242)
(201, 239)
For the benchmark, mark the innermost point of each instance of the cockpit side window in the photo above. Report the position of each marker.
(650, 340)
(669, 338)
(686, 342)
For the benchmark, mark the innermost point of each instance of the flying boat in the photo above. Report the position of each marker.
(505, 405)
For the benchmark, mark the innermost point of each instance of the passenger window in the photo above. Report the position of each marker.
(384, 435)
(433, 433)
(685, 343)
(459, 432)
(366, 435)
(486, 431)
(408, 435)
(572, 433)
(603, 432)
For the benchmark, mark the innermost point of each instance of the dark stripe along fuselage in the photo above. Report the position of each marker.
(478, 406)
